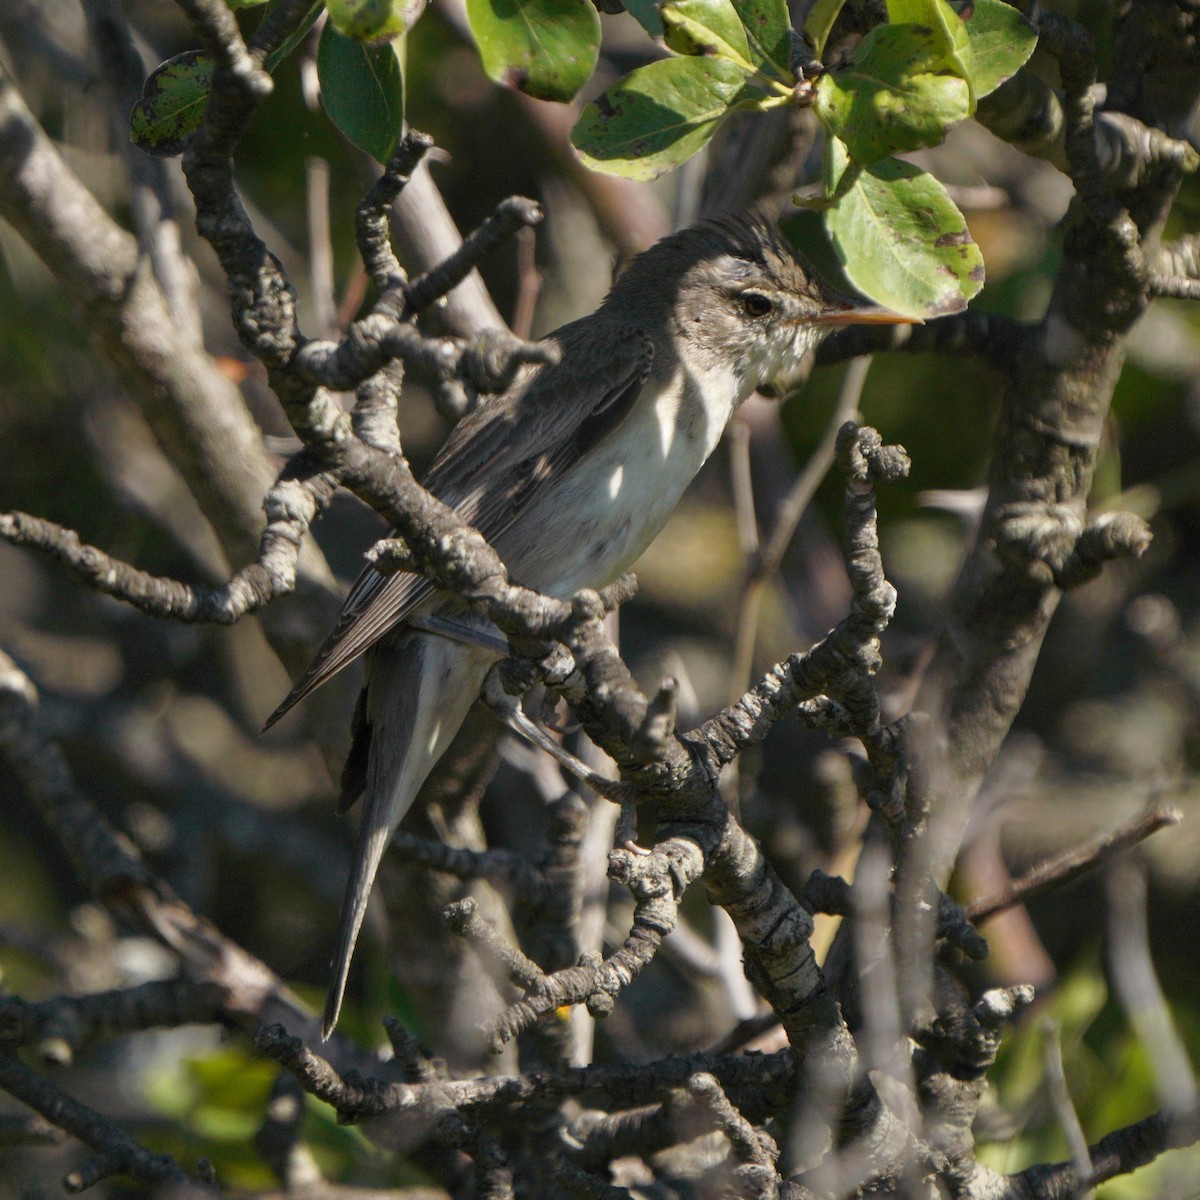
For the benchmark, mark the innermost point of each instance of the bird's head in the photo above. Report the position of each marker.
(735, 291)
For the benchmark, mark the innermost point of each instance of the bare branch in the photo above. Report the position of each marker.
(29, 1131)
(985, 337)
(1179, 258)
(1139, 990)
(1063, 868)
(850, 652)
(197, 414)
(223, 40)
(462, 917)
(1175, 287)
(1026, 111)
(1064, 1108)
(107, 865)
(657, 881)
(754, 1149)
(511, 215)
(754, 1083)
(764, 560)
(119, 1154)
(371, 226)
(291, 506)
(59, 1027)
(1118, 1153)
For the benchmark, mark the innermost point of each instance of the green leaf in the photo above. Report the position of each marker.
(647, 15)
(173, 101)
(769, 32)
(1002, 41)
(709, 28)
(895, 94)
(373, 20)
(545, 48)
(236, 4)
(362, 91)
(808, 232)
(819, 23)
(298, 34)
(949, 33)
(901, 239)
(657, 116)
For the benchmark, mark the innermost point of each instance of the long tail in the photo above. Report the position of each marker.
(372, 842)
(418, 694)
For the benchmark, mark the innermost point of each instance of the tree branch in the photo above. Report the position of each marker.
(1063, 868)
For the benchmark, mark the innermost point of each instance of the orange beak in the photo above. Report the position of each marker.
(863, 314)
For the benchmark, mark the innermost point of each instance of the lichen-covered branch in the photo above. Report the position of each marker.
(754, 1083)
(657, 881)
(1034, 526)
(291, 505)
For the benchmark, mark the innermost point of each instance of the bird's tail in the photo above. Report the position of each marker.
(372, 841)
(418, 694)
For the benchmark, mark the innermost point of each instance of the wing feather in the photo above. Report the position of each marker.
(495, 463)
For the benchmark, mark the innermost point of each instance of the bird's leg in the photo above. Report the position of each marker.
(508, 709)
(548, 717)
(488, 638)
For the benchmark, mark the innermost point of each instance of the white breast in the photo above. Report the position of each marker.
(596, 522)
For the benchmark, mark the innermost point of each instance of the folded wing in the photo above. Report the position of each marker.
(494, 464)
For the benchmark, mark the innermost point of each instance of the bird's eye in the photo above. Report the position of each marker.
(755, 304)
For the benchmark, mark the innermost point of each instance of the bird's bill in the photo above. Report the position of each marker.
(863, 314)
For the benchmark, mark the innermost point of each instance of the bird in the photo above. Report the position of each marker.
(569, 474)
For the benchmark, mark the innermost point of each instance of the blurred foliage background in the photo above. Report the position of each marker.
(160, 721)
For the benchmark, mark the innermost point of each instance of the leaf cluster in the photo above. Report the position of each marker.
(898, 235)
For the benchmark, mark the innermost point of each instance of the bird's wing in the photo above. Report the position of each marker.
(493, 465)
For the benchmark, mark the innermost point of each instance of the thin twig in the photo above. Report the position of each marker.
(1064, 1108)
(1175, 287)
(511, 215)
(1057, 871)
(463, 918)
(119, 1153)
(291, 506)
(765, 562)
(529, 283)
(1137, 986)
(320, 245)
(657, 881)
(741, 481)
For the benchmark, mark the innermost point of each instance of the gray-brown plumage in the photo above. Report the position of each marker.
(569, 475)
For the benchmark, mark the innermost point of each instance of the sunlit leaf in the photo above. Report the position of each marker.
(895, 94)
(710, 28)
(901, 239)
(1002, 41)
(362, 91)
(948, 31)
(769, 33)
(373, 20)
(819, 23)
(657, 116)
(545, 48)
(173, 101)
